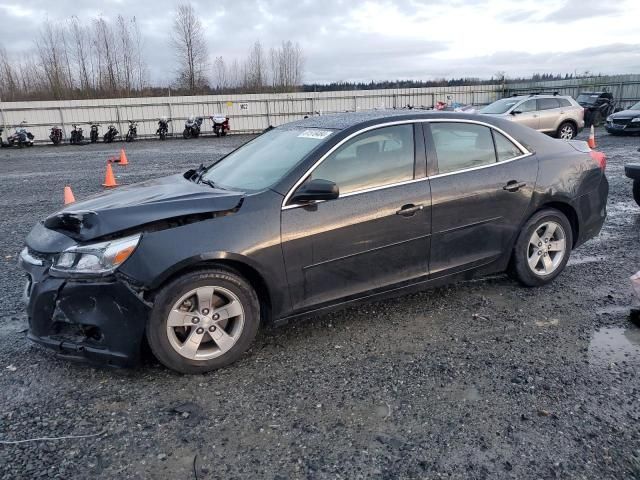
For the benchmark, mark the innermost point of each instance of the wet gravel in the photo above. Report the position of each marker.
(483, 379)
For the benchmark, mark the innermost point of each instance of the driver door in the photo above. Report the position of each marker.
(375, 234)
(529, 114)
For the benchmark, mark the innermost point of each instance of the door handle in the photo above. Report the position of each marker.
(514, 186)
(409, 210)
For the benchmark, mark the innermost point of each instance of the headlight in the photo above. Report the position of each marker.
(96, 258)
(609, 119)
(635, 120)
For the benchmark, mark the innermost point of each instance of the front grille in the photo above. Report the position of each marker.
(621, 121)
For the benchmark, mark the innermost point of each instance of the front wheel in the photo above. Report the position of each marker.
(203, 320)
(636, 191)
(186, 134)
(542, 249)
(566, 131)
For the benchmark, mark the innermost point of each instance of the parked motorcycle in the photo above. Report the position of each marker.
(163, 128)
(192, 127)
(93, 134)
(21, 137)
(56, 135)
(111, 134)
(220, 124)
(2, 142)
(76, 135)
(132, 133)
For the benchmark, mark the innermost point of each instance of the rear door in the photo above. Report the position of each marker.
(528, 114)
(549, 114)
(376, 234)
(481, 188)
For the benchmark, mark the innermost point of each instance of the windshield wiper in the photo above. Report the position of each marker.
(208, 182)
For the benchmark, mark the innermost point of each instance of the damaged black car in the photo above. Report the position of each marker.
(310, 216)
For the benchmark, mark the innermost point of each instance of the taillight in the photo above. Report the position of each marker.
(600, 158)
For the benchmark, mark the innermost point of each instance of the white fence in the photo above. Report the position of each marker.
(247, 113)
(253, 113)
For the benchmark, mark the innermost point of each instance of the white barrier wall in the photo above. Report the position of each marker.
(254, 112)
(247, 112)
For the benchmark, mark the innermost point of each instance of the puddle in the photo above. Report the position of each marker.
(614, 345)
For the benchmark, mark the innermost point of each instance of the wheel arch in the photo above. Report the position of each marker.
(234, 263)
(568, 212)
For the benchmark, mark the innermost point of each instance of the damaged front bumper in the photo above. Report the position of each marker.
(101, 321)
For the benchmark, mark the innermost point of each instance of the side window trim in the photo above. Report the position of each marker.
(431, 156)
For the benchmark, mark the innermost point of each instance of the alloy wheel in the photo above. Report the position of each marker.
(566, 132)
(547, 248)
(205, 323)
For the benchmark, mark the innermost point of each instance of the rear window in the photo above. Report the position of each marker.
(564, 102)
(460, 146)
(548, 103)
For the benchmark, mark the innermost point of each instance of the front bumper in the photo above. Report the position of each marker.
(630, 127)
(100, 321)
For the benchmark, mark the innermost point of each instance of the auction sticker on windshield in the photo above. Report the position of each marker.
(317, 134)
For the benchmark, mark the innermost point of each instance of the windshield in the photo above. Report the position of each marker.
(500, 106)
(635, 107)
(266, 159)
(588, 98)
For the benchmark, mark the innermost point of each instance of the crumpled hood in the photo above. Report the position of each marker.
(142, 205)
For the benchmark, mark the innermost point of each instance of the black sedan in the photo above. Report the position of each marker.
(625, 121)
(310, 216)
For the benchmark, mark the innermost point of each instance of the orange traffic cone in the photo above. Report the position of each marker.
(68, 196)
(109, 179)
(592, 138)
(123, 158)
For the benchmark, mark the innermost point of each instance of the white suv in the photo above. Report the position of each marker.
(560, 116)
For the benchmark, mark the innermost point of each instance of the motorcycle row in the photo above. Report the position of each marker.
(192, 129)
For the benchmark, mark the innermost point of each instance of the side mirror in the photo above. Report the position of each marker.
(316, 190)
(516, 112)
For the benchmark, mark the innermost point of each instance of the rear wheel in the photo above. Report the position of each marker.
(542, 249)
(566, 131)
(203, 320)
(636, 191)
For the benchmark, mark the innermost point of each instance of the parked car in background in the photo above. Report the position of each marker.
(597, 106)
(310, 216)
(556, 115)
(632, 171)
(625, 121)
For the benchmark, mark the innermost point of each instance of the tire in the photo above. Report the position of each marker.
(566, 131)
(523, 252)
(186, 133)
(163, 135)
(636, 191)
(228, 286)
(596, 120)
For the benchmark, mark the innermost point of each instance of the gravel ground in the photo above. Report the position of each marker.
(483, 379)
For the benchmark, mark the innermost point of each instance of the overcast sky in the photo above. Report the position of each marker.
(359, 40)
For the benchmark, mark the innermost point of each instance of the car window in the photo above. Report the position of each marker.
(564, 102)
(505, 148)
(548, 103)
(462, 145)
(528, 106)
(372, 159)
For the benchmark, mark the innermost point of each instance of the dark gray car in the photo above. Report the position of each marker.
(624, 122)
(308, 217)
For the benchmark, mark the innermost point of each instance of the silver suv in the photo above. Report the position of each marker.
(560, 116)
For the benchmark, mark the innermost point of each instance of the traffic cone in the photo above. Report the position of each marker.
(68, 196)
(123, 158)
(109, 179)
(592, 138)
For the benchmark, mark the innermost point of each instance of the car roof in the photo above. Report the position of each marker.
(342, 121)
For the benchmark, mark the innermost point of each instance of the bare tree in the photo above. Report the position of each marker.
(52, 54)
(220, 74)
(140, 64)
(255, 74)
(80, 54)
(287, 64)
(108, 64)
(9, 77)
(190, 48)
